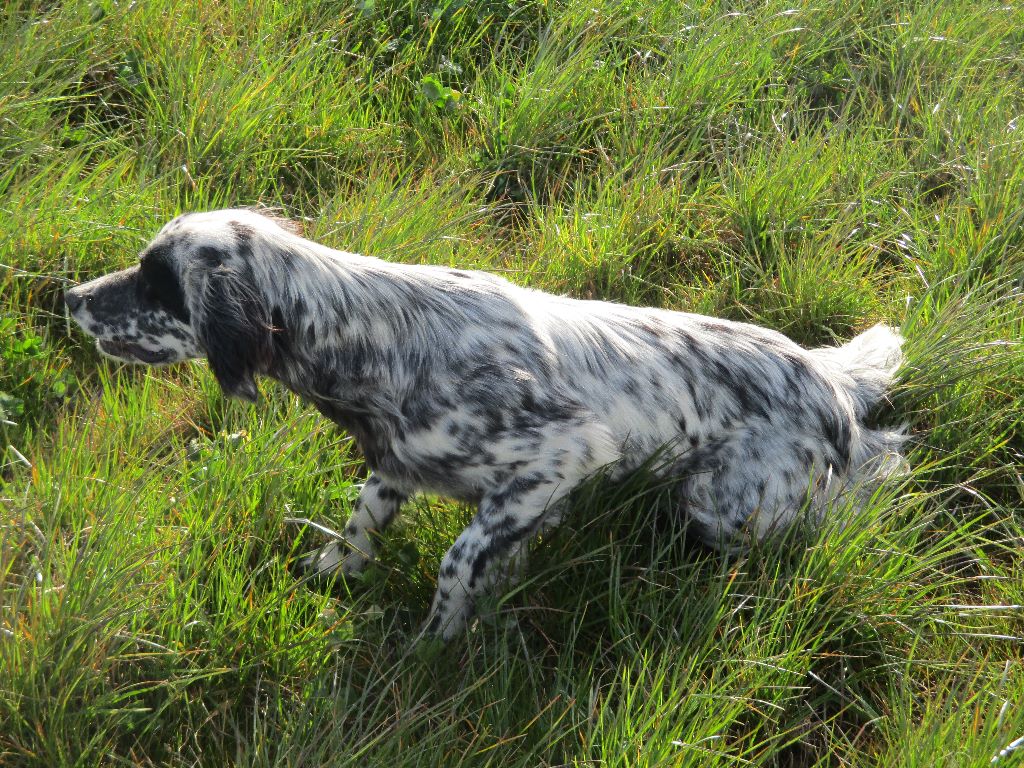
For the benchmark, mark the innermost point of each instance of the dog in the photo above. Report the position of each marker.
(466, 385)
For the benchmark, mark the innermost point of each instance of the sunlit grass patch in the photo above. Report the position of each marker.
(812, 169)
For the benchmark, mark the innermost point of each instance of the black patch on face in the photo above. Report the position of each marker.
(390, 494)
(159, 284)
(109, 303)
(127, 350)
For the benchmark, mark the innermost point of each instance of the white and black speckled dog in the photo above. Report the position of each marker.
(466, 385)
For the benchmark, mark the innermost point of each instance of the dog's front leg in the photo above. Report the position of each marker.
(374, 510)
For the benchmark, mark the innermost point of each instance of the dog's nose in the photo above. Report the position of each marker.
(72, 299)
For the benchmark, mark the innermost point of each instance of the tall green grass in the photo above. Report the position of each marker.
(811, 167)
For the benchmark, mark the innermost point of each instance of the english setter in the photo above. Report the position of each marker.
(464, 384)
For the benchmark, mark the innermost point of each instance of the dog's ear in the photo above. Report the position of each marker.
(234, 327)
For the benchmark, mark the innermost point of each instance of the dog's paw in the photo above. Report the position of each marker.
(323, 562)
(331, 561)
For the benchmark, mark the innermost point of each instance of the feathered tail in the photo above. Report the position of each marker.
(867, 365)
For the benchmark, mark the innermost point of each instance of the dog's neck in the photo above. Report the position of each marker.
(338, 327)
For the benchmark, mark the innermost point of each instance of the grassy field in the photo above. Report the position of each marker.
(813, 167)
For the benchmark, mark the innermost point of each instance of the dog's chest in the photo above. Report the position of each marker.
(410, 458)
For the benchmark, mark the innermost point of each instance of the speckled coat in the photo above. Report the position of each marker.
(466, 385)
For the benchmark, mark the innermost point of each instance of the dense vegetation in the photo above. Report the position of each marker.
(813, 167)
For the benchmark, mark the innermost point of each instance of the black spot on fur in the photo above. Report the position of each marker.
(210, 256)
(244, 237)
(746, 393)
(837, 432)
(499, 546)
(390, 494)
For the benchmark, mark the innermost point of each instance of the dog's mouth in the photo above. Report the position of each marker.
(133, 353)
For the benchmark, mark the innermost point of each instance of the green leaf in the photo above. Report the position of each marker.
(432, 90)
(11, 405)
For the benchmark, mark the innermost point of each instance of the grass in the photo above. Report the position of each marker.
(810, 167)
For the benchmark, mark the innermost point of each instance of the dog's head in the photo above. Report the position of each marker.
(193, 294)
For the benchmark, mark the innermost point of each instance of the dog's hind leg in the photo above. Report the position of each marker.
(758, 478)
(374, 510)
(509, 516)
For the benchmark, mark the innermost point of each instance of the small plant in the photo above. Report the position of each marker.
(31, 379)
(436, 94)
